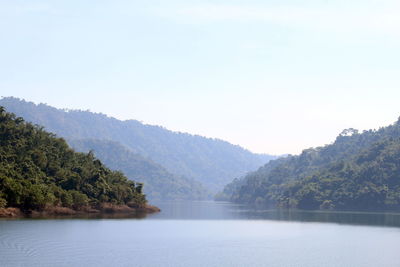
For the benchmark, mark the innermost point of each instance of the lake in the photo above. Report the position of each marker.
(206, 234)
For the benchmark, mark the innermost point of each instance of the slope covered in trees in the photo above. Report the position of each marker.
(357, 171)
(212, 162)
(38, 170)
(159, 184)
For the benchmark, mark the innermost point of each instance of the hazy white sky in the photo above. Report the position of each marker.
(271, 76)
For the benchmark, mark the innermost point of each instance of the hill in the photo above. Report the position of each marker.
(159, 184)
(357, 171)
(39, 171)
(212, 162)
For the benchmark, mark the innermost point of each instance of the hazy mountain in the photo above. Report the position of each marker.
(212, 162)
(357, 171)
(158, 182)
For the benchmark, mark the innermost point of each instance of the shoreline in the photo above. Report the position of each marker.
(103, 210)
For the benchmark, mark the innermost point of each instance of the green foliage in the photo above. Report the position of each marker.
(158, 183)
(38, 170)
(358, 171)
(79, 199)
(3, 203)
(211, 162)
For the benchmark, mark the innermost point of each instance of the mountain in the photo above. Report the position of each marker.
(159, 184)
(38, 171)
(357, 171)
(211, 162)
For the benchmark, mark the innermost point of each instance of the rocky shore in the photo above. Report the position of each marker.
(103, 209)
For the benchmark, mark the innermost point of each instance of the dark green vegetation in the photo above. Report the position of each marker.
(159, 183)
(358, 171)
(38, 170)
(211, 162)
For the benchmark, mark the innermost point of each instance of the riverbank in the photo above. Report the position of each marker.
(102, 209)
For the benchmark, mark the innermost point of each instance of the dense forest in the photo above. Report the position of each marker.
(159, 184)
(357, 171)
(212, 162)
(39, 170)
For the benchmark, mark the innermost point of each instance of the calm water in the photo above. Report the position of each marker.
(206, 234)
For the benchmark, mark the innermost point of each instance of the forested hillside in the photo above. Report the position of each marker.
(357, 171)
(159, 184)
(38, 170)
(212, 162)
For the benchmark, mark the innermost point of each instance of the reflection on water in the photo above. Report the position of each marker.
(210, 210)
(198, 234)
(129, 215)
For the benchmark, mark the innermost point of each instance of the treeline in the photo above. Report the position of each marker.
(38, 170)
(159, 183)
(358, 171)
(211, 162)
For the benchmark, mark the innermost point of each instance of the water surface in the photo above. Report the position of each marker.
(206, 234)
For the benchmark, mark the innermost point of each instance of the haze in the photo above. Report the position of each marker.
(271, 76)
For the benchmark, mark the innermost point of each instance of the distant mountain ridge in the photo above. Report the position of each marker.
(159, 183)
(212, 162)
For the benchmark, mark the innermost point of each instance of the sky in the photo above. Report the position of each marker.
(272, 76)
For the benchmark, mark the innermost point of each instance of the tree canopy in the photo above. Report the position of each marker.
(211, 162)
(357, 171)
(37, 169)
(159, 183)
